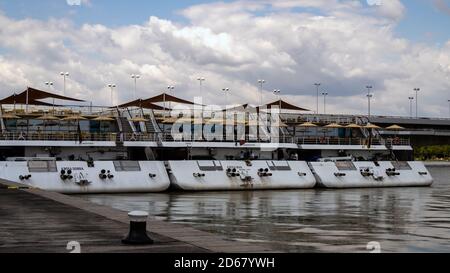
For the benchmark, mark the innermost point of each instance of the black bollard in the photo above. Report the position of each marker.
(138, 229)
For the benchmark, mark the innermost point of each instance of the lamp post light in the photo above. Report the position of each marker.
(226, 91)
(369, 96)
(417, 104)
(169, 89)
(49, 86)
(410, 106)
(65, 75)
(277, 92)
(112, 86)
(325, 94)
(261, 83)
(135, 77)
(317, 97)
(201, 80)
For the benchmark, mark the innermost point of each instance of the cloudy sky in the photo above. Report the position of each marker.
(345, 45)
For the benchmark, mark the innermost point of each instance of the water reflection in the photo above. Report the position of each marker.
(401, 219)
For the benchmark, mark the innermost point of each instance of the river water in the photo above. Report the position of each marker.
(399, 219)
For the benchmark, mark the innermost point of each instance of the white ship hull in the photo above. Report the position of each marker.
(367, 174)
(76, 177)
(151, 176)
(238, 175)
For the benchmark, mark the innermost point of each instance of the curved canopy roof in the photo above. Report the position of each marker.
(242, 108)
(279, 103)
(150, 102)
(285, 106)
(166, 97)
(33, 96)
(142, 104)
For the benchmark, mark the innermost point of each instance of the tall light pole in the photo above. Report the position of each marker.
(277, 92)
(369, 96)
(261, 82)
(201, 80)
(410, 106)
(112, 86)
(226, 90)
(325, 94)
(65, 75)
(170, 89)
(417, 104)
(135, 77)
(317, 97)
(49, 86)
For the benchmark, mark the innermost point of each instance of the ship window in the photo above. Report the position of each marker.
(42, 166)
(278, 165)
(345, 166)
(127, 166)
(401, 165)
(210, 165)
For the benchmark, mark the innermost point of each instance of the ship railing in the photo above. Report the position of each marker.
(66, 110)
(411, 131)
(248, 138)
(58, 136)
(396, 141)
(154, 137)
(141, 137)
(352, 141)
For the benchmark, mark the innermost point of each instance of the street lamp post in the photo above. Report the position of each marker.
(112, 86)
(410, 106)
(317, 97)
(201, 80)
(369, 96)
(325, 94)
(169, 89)
(226, 90)
(261, 82)
(417, 104)
(65, 75)
(277, 92)
(135, 77)
(49, 85)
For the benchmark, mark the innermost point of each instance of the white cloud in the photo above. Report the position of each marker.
(345, 47)
(393, 9)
